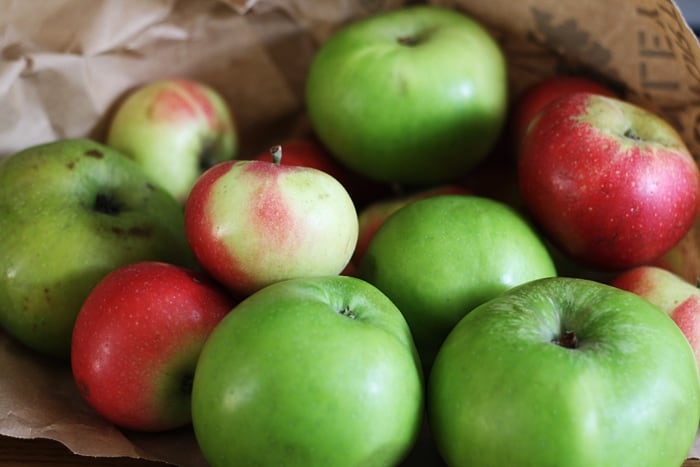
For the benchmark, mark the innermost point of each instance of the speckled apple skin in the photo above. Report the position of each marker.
(253, 223)
(610, 183)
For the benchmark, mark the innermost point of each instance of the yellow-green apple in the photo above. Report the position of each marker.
(439, 257)
(175, 129)
(533, 98)
(317, 371)
(372, 216)
(670, 292)
(251, 223)
(309, 152)
(71, 211)
(565, 371)
(612, 184)
(416, 95)
(137, 339)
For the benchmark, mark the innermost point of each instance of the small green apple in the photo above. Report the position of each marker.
(309, 372)
(565, 372)
(416, 95)
(439, 257)
(70, 212)
(175, 129)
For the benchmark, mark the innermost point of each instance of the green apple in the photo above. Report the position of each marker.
(437, 258)
(70, 212)
(309, 372)
(416, 95)
(566, 372)
(175, 129)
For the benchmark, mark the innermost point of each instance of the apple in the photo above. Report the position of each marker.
(415, 95)
(373, 215)
(137, 339)
(71, 211)
(533, 98)
(683, 259)
(318, 371)
(175, 129)
(674, 295)
(251, 223)
(309, 152)
(564, 371)
(612, 184)
(439, 257)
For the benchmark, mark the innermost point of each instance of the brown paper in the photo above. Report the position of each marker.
(65, 64)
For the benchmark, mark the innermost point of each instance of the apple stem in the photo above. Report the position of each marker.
(276, 153)
(567, 339)
(345, 311)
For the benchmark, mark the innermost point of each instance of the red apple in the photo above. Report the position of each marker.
(137, 339)
(309, 152)
(251, 223)
(671, 293)
(534, 98)
(373, 216)
(610, 183)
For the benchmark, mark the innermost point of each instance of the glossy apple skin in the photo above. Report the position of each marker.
(374, 215)
(71, 211)
(309, 152)
(252, 223)
(137, 339)
(611, 184)
(416, 95)
(174, 129)
(508, 388)
(535, 97)
(670, 292)
(309, 372)
(439, 257)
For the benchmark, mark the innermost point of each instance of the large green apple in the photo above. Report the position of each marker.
(309, 372)
(565, 372)
(438, 258)
(416, 95)
(70, 212)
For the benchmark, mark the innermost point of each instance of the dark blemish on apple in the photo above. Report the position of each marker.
(71, 165)
(150, 187)
(106, 204)
(84, 389)
(408, 41)
(132, 231)
(566, 339)
(94, 153)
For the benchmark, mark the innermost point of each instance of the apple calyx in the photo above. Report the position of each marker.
(206, 156)
(276, 153)
(631, 134)
(106, 204)
(345, 311)
(566, 339)
(409, 40)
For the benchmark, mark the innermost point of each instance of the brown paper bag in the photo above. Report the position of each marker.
(64, 64)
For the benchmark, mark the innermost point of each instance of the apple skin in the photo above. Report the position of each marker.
(508, 386)
(252, 223)
(529, 103)
(309, 372)
(610, 183)
(309, 152)
(438, 257)
(674, 295)
(374, 214)
(137, 339)
(416, 95)
(174, 129)
(71, 211)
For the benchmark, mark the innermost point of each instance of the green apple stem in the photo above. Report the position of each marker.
(566, 339)
(276, 153)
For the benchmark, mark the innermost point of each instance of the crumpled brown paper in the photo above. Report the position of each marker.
(65, 64)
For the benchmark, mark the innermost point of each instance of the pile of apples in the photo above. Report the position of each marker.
(440, 265)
